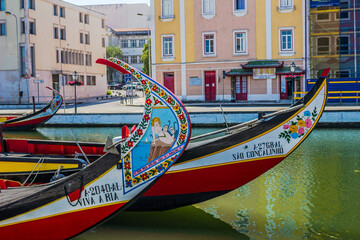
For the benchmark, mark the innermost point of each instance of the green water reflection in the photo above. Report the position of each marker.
(313, 194)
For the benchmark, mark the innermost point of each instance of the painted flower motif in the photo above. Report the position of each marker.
(294, 135)
(147, 117)
(128, 177)
(286, 126)
(184, 126)
(301, 130)
(157, 101)
(134, 181)
(130, 143)
(176, 107)
(138, 75)
(293, 128)
(147, 91)
(162, 93)
(132, 70)
(144, 176)
(154, 88)
(127, 165)
(301, 123)
(128, 183)
(140, 132)
(125, 66)
(169, 100)
(308, 123)
(307, 114)
(160, 168)
(182, 137)
(148, 101)
(181, 117)
(118, 62)
(143, 82)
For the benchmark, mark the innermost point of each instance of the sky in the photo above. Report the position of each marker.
(96, 2)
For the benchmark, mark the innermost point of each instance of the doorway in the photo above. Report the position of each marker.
(210, 86)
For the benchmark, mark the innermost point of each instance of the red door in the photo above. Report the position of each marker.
(210, 86)
(283, 88)
(241, 88)
(169, 81)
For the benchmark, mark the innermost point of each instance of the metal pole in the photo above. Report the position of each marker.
(38, 92)
(149, 45)
(293, 83)
(75, 98)
(33, 101)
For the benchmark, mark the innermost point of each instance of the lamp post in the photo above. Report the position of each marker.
(75, 77)
(292, 70)
(17, 49)
(149, 45)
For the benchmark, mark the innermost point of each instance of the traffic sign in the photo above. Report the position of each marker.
(26, 76)
(38, 81)
(127, 78)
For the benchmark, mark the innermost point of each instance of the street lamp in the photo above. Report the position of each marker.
(292, 70)
(17, 49)
(149, 45)
(75, 77)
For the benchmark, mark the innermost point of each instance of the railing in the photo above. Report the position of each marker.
(354, 95)
(24, 99)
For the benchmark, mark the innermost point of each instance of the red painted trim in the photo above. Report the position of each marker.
(325, 72)
(35, 121)
(216, 178)
(59, 227)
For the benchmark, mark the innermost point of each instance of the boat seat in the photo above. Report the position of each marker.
(5, 184)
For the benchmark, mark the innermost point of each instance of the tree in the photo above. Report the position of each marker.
(145, 57)
(116, 52)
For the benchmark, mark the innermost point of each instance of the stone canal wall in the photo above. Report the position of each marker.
(328, 119)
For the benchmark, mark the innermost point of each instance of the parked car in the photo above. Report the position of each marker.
(130, 90)
(138, 86)
(114, 86)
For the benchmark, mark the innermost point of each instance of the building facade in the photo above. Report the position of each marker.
(44, 42)
(211, 50)
(335, 38)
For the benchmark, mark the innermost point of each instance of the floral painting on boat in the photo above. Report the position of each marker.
(297, 128)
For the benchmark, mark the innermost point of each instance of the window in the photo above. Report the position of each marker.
(286, 40)
(239, 5)
(32, 27)
(63, 33)
(22, 26)
(2, 5)
(168, 45)
(124, 43)
(209, 7)
(80, 17)
(81, 37)
(86, 18)
(141, 43)
(323, 16)
(88, 59)
(132, 43)
(91, 80)
(87, 38)
(102, 23)
(323, 46)
(342, 73)
(22, 57)
(57, 56)
(56, 32)
(55, 10)
(342, 45)
(22, 4)
(2, 28)
(66, 57)
(167, 8)
(240, 42)
(286, 3)
(32, 61)
(32, 4)
(62, 12)
(344, 10)
(133, 59)
(209, 44)
(62, 57)
(103, 42)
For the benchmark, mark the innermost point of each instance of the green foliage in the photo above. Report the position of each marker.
(116, 52)
(145, 57)
(108, 92)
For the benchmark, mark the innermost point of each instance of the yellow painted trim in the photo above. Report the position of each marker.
(225, 149)
(344, 91)
(12, 167)
(325, 33)
(342, 82)
(325, 11)
(346, 97)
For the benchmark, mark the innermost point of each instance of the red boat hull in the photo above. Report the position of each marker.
(59, 227)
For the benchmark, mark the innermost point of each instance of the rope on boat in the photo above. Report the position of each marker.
(41, 160)
(249, 123)
(87, 160)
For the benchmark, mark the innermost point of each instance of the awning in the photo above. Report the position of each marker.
(240, 72)
(263, 64)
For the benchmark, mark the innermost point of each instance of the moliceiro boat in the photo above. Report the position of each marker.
(68, 206)
(212, 165)
(32, 120)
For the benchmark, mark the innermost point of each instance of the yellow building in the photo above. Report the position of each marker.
(43, 42)
(208, 50)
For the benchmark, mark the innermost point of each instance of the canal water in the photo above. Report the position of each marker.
(312, 194)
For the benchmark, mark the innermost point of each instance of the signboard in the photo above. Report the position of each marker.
(63, 80)
(324, 3)
(263, 73)
(26, 76)
(38, 81)
(195, 81)
(127, 78)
